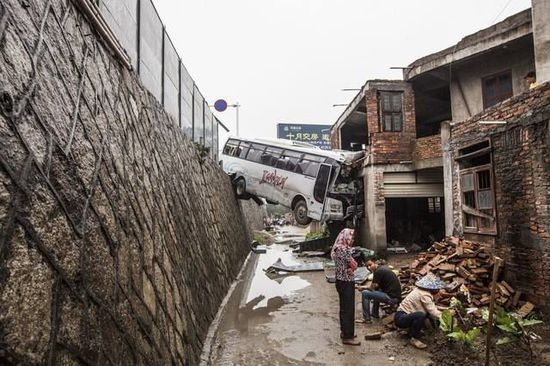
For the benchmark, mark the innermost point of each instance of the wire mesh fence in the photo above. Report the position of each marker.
(153, 56)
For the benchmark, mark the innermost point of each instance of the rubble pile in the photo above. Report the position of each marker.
(467, 268)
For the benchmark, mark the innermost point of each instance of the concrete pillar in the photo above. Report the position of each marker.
(374, 231)
(447, 177)
(541, 38)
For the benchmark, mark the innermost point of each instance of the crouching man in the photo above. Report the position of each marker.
(418, 306)
(385, 288)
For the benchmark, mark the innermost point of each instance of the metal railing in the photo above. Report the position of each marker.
(153, 56)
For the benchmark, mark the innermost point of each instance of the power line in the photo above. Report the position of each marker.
(500, 13)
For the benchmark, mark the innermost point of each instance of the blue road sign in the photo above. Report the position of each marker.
(220, 105)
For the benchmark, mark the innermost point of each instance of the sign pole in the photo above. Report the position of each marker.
(237, 105)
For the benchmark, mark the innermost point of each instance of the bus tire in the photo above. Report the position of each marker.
(240, 187)
(300, 213)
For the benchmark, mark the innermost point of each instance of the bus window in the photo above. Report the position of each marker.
(311, 169)
(274, 151)
(293, 156)
(271, 156)
(321, 183)
(255, 153)
(231, 148)
(243, 149)
(310, 164)
(288, 160)
(319, 159)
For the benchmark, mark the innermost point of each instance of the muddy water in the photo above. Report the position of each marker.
(293, 320)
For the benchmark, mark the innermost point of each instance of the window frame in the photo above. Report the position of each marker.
(467, 153)
(392, 113)
(434, 205)
(285, 153)
(499, 95)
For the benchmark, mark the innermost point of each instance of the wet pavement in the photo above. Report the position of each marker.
(293, 320)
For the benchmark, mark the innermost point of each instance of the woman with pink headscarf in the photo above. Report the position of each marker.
(345, 268)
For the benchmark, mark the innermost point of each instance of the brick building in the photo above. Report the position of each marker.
(403, 175)
(460, 146)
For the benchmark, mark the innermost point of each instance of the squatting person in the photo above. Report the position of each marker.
(385, 288)
(418, 306)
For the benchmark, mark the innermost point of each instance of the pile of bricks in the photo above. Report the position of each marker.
(467, 268)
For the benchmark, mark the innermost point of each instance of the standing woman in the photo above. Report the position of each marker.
(345, 267)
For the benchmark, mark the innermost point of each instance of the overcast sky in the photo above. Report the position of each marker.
(287, 60)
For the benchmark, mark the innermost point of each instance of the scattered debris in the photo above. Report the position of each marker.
(361, 274)
(466, 267)
(373, 336)
(312, 254)
(257, 248)
(397, 250)
(306, 267)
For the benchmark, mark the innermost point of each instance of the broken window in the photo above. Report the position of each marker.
(255, 153)
(477, 188)
(434, 204)
(391, 111)
(496, 88)
(243, 149)
(231, 148)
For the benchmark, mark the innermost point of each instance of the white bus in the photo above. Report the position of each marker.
(314, 183)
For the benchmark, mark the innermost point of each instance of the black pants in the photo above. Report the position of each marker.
(414, 321)
(346, 293)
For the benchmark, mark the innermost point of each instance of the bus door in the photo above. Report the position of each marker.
(320, 191)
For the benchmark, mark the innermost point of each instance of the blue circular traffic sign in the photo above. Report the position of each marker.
(220, 105)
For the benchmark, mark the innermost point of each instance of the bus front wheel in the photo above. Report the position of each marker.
(300, 213)
(240, 187)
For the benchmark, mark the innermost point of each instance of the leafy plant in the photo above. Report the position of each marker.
(467, 338)
(312, 235)
(457, 305)
(513, 327)
(447, 322)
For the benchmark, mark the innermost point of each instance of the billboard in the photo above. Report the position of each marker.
(318, 135)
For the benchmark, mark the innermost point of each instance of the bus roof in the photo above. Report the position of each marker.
(341, 156)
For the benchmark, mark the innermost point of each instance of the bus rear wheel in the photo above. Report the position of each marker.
(240, 187)
(300, 213)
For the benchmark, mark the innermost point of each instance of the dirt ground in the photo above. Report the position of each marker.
(293, 320)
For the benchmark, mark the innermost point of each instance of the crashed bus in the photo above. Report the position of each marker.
(315, 184)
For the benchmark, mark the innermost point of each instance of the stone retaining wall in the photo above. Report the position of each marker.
(118, 238)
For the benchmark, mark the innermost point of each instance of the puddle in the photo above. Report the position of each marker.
(274, 286)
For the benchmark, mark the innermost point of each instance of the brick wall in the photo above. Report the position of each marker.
(521, 166)
(427, 148)
(118, 240)
(391, 147)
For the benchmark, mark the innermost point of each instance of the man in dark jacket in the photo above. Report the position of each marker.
(385, 288)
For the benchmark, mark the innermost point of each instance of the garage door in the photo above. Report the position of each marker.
(414, 184)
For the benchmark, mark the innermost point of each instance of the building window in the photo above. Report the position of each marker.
(391, 111)
(497, 88)
(477, 188)
(434, 204)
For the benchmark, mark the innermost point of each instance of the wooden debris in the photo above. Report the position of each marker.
(515, 299)
(525, 309)
(388, 319)
(373, 336)
(508, 287)
(462, 263)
